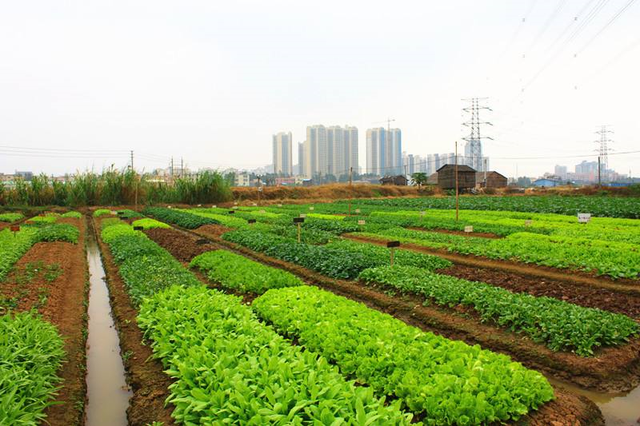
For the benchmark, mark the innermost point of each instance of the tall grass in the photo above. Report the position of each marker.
(115, 187)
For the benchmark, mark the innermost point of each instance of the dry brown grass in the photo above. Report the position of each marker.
(327, 192)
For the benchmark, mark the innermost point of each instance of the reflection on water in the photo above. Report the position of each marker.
(107, 392)
(618, 409)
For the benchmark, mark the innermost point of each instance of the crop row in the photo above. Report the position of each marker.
(557, 324)
(241, 274)
(10, 217)
(447, 381)
(148, 223)
(338, 259)
(621, 207)
(31, 351)
(180, 218)
(614, 259)
(506, 223)
(14, 245)
(227, 366)
(230, 368)
(145, 267)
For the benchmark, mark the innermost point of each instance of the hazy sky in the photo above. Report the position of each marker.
(211, 81)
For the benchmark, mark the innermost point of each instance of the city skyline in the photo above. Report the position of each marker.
(202, 83)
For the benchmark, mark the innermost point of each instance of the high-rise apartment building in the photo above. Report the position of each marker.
(282, 154)
(384, 151)
(330, 151)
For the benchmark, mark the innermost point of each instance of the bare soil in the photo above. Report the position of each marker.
(583, 295)
(145, 376)
(625, 286)
(58, 291)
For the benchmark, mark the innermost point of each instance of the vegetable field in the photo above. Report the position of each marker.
(374, 312)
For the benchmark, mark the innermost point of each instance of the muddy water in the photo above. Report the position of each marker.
(618, 409)
(107, 392)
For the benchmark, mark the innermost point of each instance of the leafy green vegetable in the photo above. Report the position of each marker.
(447, 381)
(178, 217)
(344, 260)
(558, 324)
(147, 223)
(101, 212)
(10, 217)
(31, 352)
(229, 368)
(242, 274)
(73, 214)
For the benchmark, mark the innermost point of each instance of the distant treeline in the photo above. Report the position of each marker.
(115, 187)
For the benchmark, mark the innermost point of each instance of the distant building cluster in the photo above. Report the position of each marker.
(586, 172)
(331, 152)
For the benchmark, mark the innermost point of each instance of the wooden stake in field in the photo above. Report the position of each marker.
(298, 221)
(392, 245)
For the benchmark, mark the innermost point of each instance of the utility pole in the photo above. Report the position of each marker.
(456, 172)
(131, 159)
(599, 172)
(603, 150)
(474, 139)
(350, 188)
(171, 169)
(181, 167)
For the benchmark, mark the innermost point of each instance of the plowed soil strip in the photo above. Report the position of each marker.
(58, 290)
(145, 376)
(567, 409)
(575, 277)
(578, 294)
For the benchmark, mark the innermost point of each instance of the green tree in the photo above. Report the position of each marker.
(419, 179)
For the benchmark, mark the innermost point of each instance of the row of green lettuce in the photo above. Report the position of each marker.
(192, 327)
(31, 349)
(609, 258)
(229, 367)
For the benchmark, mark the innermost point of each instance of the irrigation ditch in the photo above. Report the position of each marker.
(107, 391)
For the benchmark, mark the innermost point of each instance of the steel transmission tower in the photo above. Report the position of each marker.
(473, 148)
(604, 149)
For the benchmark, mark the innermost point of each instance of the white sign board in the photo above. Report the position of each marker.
(468, 229)
(235, 204)
(279, 205)
(361, 222)
(302, 215)
(584, 217)
(312, 208)
(199, 205)
(254, 204)
(214, 206)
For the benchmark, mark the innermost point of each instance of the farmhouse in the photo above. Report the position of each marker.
(491, 180)
(447, 177)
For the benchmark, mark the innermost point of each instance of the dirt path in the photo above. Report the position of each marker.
(145, 376)
(567, 409)
(52, 278)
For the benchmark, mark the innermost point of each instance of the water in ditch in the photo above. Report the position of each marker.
(107, 391)
(618, 409)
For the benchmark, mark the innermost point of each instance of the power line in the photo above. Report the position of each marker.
(611, 21)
